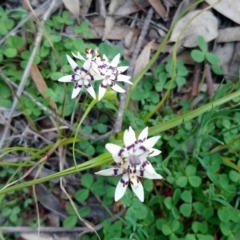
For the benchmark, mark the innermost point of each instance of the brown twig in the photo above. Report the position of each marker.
(123, 97)
(196, 79)
(83, 230)
(209, 80)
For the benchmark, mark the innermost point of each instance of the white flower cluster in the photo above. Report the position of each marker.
(95, 68)
(132, 162)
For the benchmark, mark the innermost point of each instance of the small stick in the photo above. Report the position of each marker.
(196, 79)
(209, 80)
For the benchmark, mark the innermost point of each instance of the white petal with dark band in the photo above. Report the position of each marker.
(138, 190)
(149, 143)
(110, 172)
(73, 64)
(117, 88)
(90, 89)
(68, 78)
(87, 65)
(154, 152)
(101, 92)
(123, 78)
(129, 138)
(122, 69)
(115, 61)
(143, 134)
(116, 151)
(76, 91)
(121, 187)
(147, 166)
(144, 174)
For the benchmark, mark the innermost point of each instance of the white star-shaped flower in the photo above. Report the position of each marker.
(132, 162)
(111, 74)
(81, 76)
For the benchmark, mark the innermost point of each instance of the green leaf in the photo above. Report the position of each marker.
(109, 51)
(225, 228)
(82, 194)
(83, 212)
(212, 58)
(186, 196)
(70, 221)
(180, 81)
(87, 180)
(175, 212)
(55, 38)
(190, 170)
(197, 56)
(182, 72)
(15, 41)
(148, 185)
(223, 214)
(175, 225)
(234, 176)
(10, 52)
(198, 207)
(56, 75)
(181, 181)
(217, 69)
(176, 195)
(102, 128)
(202, 44)
(166, 229)
(160, 222)
(186, 209)
(168, 202)
(207, 213)
(194, 181)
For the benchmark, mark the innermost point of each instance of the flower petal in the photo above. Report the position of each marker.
(122, 69)
(154, 152)
(121, 187)
(129, 138)
(149, 143)
(90, 89)
(110, 172)
(73, 65)
(143, 135)
(115, 61)
(147, 166)
(97, 77)
(138, 190)
(79, 56)
(76, 90)
(69, 78)
(86, 65)
(101, 91)
(116, 151)
(123, 78)
(117, 88)
(145, 174)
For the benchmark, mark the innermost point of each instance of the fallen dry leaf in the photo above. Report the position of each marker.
(143, 58)
(228, 8)
(159, 8)
(130, 7)
(85, 5)
(192, 25)
(73, 6)
(230, 34)
(116, 33)
(41, 84)
(109, 22)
